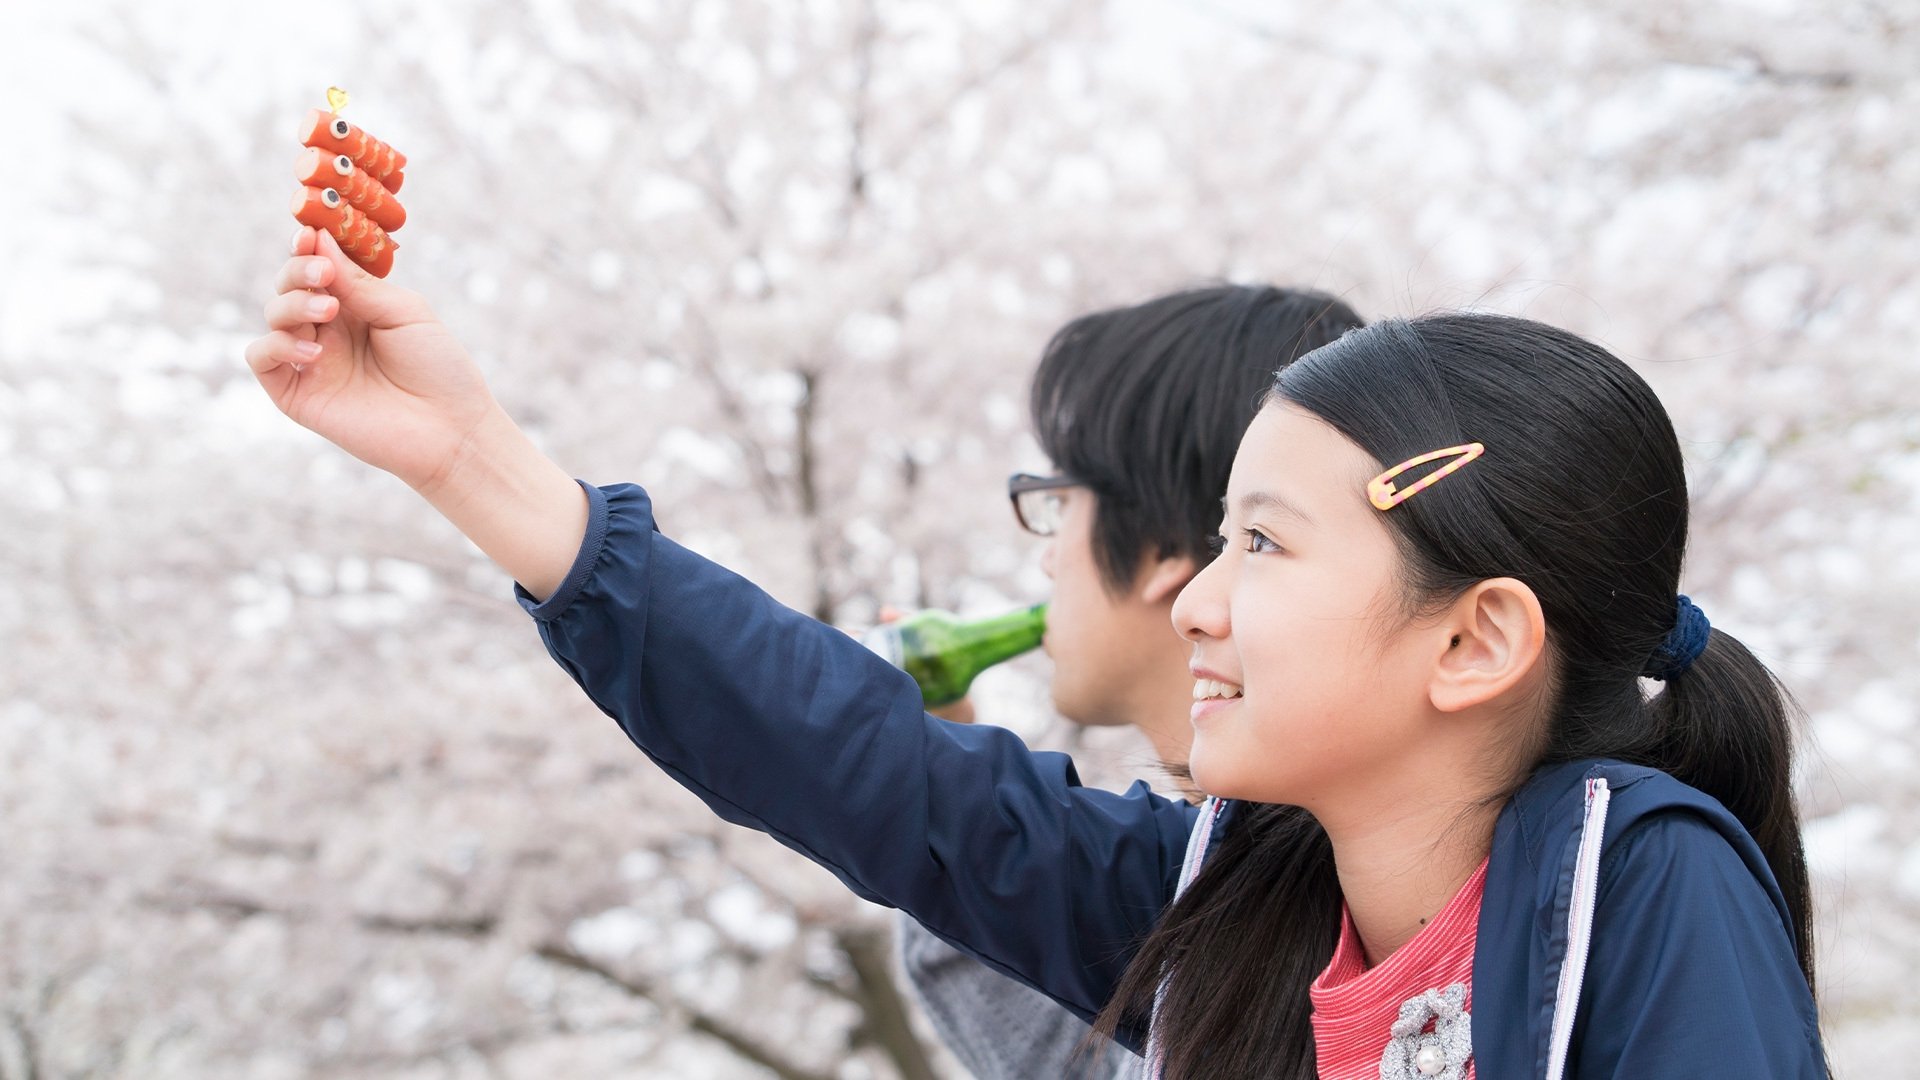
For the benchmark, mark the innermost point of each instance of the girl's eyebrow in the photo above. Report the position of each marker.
(1268, 500)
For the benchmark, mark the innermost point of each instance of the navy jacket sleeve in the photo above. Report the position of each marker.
(789, 726)
(1692, 973)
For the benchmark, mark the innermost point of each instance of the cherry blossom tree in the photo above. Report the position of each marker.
(293, 791)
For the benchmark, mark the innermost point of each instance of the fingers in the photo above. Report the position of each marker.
(960, 712)
(279, 349)
(294, 311)
(348, 271)
(381, 304)
(304, 272)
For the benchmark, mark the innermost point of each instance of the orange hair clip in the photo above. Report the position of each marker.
(1384, 496)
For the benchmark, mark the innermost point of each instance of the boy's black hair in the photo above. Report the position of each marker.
(1146, 405)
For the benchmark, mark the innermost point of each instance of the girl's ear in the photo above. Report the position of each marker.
(1496, 637)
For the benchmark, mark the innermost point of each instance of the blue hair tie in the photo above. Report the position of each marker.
(1683, 645)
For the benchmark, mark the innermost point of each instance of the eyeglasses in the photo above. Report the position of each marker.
(1036, 500)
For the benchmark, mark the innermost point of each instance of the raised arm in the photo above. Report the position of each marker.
(786, 725)
(777, 721)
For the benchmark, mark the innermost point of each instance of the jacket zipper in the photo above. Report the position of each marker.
(1586, 896)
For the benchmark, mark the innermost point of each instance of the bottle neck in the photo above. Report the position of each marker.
(990, 641)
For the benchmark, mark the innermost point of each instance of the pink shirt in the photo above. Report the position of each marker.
(1354, 1008)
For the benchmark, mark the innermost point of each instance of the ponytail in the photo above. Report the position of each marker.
(1726, 727)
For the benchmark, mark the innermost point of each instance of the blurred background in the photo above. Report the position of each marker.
(288, 787)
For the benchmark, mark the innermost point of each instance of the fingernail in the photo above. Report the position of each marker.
(313, 274)
(317, 307)
(297, 234)
(308, 349)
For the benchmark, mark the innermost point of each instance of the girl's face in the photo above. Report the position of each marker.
(1301, 617)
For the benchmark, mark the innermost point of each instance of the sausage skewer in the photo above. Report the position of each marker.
(317, 169)
(362, 240)
(331, 133)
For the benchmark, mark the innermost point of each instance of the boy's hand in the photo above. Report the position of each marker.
(365, 364)
(961, 711)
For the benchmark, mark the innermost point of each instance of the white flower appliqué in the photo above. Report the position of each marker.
(1416, 1053)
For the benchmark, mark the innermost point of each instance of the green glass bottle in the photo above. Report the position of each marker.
(943, 653)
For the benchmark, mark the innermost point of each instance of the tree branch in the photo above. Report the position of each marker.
(697, 1020)
(865, 40)
(1015, 55)
(887, 1021)
(1751, 65)
(231, 906)
(29, 1049)
(807, 487)
(706, 364)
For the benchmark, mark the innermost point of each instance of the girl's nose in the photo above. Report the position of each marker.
(1200, 611)
(1046, 559)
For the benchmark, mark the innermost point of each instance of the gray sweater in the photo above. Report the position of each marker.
(998, 1028)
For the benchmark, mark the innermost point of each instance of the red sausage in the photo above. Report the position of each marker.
(366, 243)
(318, 169)
(334, 135)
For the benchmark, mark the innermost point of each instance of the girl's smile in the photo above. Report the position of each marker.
(1212, 693)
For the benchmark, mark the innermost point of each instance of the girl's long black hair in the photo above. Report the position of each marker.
(1581, 495)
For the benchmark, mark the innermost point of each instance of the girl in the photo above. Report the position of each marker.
(1140, 410)
(1452, 834)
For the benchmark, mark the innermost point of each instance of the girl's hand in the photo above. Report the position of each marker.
(365, 364)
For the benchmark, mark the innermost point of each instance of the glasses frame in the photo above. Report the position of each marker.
(1026, 484)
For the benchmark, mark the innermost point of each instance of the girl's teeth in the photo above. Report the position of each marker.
(1204, 689)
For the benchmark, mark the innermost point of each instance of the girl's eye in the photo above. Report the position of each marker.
(1258, 543)
(1216, 544)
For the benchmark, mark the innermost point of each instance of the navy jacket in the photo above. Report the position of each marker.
(787, 726)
